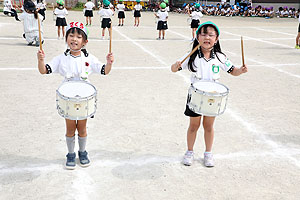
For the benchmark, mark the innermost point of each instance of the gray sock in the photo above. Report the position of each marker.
(82, 143)
(70, 143)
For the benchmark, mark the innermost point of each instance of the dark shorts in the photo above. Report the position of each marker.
(88, 13)
(106, 23)
(121, 15)
(61, 21)
(161, 25)
(299, 28)
(195, 23)
(137, 13)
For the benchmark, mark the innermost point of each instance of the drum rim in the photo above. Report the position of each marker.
(76, 98)
(210, 93)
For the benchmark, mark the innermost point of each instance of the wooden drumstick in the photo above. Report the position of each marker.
(40, 35)
(242, 48)
(110, 36)
(197, 47)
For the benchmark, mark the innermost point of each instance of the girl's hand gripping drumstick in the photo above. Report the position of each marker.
(40, 35)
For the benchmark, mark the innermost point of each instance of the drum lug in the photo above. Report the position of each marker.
(211, 101)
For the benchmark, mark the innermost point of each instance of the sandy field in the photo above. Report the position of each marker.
(138, 136)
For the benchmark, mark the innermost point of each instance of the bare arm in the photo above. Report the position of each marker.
(41, 63)
(239, 71)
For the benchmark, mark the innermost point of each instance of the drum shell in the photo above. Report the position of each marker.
(207, 103)
(76, 108)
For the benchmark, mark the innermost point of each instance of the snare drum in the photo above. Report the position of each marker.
(76, 100)
(208, 98)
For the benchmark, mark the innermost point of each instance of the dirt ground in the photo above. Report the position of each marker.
(138, 136)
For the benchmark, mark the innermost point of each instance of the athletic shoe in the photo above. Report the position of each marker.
(158, 38)
(30, 44)
(119, 25)
(188, 158)
(71, 162)
(209, 160)
(102, 38)
(83, 159)
(297, 47)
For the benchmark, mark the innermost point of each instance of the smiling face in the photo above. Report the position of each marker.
(207, 37)
(76, 40)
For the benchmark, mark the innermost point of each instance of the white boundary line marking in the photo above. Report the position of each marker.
(260, 64)
(141, 47)
(272, 31)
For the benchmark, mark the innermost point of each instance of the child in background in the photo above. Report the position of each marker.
(88, 13)
(162, 25)
(41, 8)
(60, 12)
(78, 63)
(195, 15)
(30, 23)
(137, 13)
(205, 64)
(106, 13)
(121, 13)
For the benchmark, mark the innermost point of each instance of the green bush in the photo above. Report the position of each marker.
(79, 5)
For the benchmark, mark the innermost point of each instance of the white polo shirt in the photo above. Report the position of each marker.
(208, 69)
(75, 68)
(121, 7)
(106, 13)
(138, 7)
(162, 15)
(89, 5)
(61, 13)
(196, 15)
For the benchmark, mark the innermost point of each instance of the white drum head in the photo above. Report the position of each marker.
(76, 89)
(211, 87)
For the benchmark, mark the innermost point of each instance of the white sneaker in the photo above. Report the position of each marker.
(188, 158)
(209, 160)
(102, 38)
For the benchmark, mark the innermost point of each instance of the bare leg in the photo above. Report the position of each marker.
(81, 128)
(208, 125)
(192, 132)
(70, 127)
(63, 31)
(297, 39)
(58, 31)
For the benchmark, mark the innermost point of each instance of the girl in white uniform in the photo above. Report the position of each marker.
(106, 13)
(137, 13)
(88, 13)
(121, 13)
(30, 23)
(41, 8)
(205, 64)
(75, 64)
(196, 15)
(60, 12)
(162, 24)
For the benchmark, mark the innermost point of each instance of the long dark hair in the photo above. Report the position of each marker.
(80, 32)
(216, 48)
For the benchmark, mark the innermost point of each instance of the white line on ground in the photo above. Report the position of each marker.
(161, 67)
(260, 40)
(272, 31)
(141, 46)
(149, 40)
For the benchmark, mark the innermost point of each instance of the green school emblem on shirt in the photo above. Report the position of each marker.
(215, 69)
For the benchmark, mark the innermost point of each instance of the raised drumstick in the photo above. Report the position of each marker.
(40, 35)
(197, 47)
(110, 36)
(242, 48)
